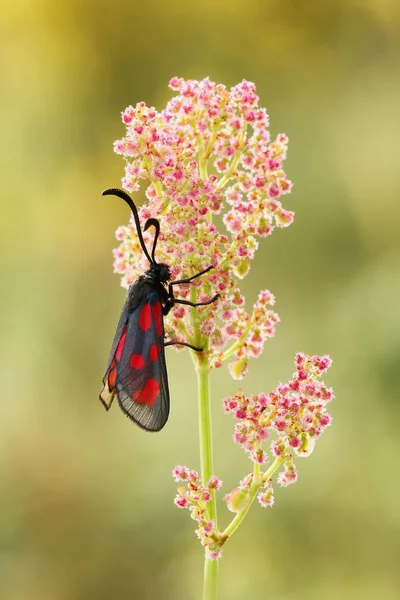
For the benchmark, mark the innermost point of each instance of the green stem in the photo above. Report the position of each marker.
(207, 464)
(210, 579)
(235, 161)
(257, 483)
(201, 360)
(240, 341)
(158, 189)
(203, 169)
(206, 453)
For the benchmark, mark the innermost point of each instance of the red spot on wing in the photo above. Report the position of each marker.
(120, 346)
(154, 352)
(149, 394)
(111, 376)
(157, 316)
(137, 361)
(145, 317)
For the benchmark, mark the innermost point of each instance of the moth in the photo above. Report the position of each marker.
(136, 372)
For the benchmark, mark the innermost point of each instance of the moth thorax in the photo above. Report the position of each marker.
(165, 272)
(159, 272)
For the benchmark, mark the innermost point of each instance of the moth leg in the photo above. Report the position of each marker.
(172, 300)
(187, 279)
(183, 344)
(213, 299)
(168, 305)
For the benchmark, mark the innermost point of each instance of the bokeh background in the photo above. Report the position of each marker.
(86, 509)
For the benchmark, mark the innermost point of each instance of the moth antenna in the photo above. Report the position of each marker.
(124, 196)
(156, 225)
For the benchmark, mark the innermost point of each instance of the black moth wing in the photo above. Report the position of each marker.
(141, 381)
(107, 391)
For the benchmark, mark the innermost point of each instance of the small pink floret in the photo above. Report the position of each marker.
(214, 483)
(181, 501)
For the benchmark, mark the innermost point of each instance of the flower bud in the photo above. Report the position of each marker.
(242, 268)
(238, 368)
(306, 446)
(237, 500)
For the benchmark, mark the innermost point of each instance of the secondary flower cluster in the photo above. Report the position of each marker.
(207, 126)
(295, 411)
(196, 497)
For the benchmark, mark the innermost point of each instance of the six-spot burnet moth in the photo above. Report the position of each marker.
(136, 372)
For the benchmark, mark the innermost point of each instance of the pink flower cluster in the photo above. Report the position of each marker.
(196, 497)
(206, 126)
(295, 411)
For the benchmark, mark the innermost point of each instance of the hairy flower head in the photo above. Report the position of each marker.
(208, 152)
(196, 497)
(295, 413)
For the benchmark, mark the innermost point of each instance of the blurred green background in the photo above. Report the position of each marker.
(86, 498)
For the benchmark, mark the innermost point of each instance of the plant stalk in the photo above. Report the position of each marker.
(207, 465)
